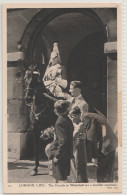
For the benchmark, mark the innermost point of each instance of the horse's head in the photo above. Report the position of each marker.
(42, 113)
(33, 82)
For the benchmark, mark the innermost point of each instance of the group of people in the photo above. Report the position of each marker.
(71, 131)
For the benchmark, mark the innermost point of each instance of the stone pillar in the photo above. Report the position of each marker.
(112, 92)
(17, 110)
(110, 48)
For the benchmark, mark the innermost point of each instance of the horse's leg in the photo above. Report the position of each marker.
(36, 152)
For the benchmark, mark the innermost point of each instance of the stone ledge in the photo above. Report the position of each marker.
(17, 145)
(15, 56)
(110, 47)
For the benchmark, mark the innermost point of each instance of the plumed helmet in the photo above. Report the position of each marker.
(55, 56)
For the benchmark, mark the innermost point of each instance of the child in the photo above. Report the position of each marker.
(79, 146)
(61, 150)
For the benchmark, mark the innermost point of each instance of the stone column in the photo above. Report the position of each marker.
(17, 111)
(110, 48)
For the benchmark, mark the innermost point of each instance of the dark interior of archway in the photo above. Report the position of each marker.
(87, 63)
(81, 44)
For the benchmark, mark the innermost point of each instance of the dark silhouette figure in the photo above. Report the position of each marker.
(41, 105)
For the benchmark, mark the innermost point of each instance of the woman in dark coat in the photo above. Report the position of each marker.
(61, 150)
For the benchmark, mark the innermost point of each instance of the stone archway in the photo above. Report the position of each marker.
(40, 20)
(52, 25)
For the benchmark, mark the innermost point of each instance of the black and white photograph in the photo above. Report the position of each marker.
(63, 98)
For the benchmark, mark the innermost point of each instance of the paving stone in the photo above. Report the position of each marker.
(19, 172)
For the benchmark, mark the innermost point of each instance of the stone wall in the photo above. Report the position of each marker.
(17, 22)
(17, 111)
(18, 119)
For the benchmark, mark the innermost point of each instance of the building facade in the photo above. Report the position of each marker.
(87, 40)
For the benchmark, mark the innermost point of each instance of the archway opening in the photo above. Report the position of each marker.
(81, 39)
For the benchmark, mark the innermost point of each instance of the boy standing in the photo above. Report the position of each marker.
(62, 148)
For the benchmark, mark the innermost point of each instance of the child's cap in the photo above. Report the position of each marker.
(61, 106)
(75, 111)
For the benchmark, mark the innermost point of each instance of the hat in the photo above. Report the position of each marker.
(76, 110)
(61, 106)
(55, 56)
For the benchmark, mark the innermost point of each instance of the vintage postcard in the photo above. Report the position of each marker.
(62, 118)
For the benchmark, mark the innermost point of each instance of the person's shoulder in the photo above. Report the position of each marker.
(61, 119)
(82, 100)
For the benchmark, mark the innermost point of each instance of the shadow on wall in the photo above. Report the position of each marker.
(88, 63)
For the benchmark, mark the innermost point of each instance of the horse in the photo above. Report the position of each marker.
(41, 106)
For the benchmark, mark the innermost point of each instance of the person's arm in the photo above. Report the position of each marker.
(68, 97)
(90, 130)
(84, 108)
(104, 147)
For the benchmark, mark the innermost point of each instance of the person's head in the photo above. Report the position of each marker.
(61, 107)
(75, 114)
(75, 88)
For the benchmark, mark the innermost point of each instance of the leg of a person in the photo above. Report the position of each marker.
(100, 169)
(110, 167)
(105, 167)
(73, 171)
(36, 147)
(62, 169)
(81, 162)
(89, 151)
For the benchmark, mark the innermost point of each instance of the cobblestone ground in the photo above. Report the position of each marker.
(19, 172)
